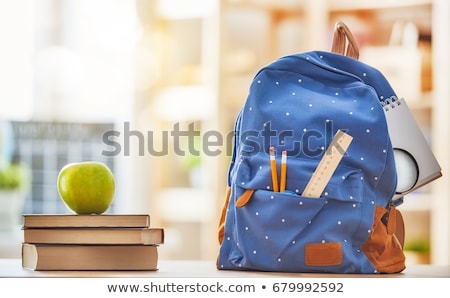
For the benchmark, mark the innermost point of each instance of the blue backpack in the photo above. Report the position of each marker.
(298, 105)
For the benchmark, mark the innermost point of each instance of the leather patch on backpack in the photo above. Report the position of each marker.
(323, 254)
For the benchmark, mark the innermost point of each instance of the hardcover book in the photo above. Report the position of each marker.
(96, 221)
(143, 236)
(89, 257)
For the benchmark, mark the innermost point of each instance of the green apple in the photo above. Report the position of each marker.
(86, 187)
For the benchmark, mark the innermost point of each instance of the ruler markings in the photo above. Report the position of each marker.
(327, 165)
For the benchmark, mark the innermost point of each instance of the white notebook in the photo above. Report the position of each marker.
(415, 162)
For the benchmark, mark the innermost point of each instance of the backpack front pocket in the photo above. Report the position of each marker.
(285, 231)
(276, 231)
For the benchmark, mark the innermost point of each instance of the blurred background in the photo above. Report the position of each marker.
(168, 78)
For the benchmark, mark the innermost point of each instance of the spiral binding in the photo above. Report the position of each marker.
(391, 102)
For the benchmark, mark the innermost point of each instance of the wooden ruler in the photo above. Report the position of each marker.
(327, 165)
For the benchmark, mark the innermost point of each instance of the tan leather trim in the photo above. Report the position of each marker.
(244, 198)
(384, 249)
(223, 215)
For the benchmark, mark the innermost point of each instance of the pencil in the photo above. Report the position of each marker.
(273, 167)
(283, 171)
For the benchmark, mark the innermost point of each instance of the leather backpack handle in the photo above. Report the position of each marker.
(344, 42)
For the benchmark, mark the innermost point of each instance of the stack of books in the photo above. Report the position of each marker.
(90, 242)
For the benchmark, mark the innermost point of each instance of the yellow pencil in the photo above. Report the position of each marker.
(283, 170)
(273, 167)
